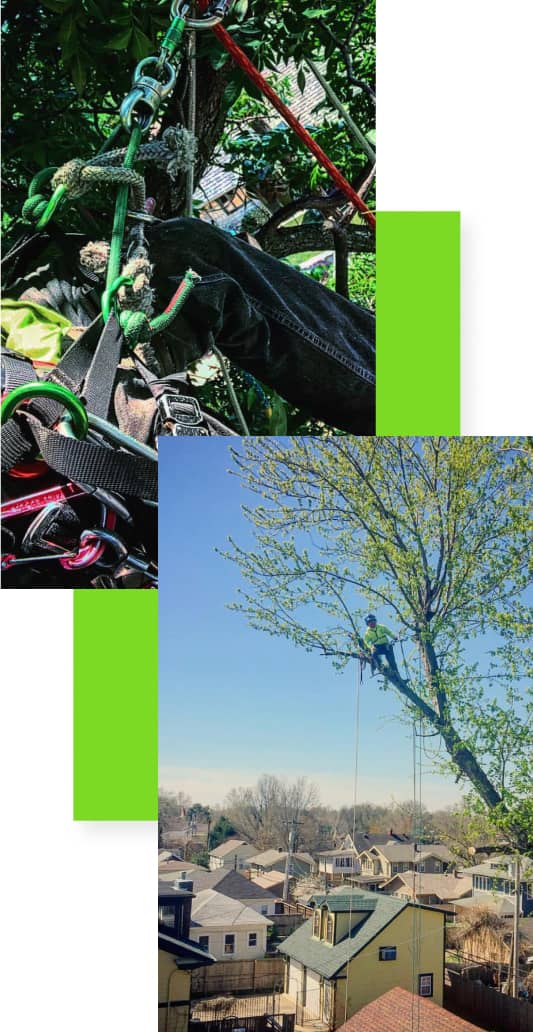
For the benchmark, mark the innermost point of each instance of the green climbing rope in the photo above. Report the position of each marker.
(121, 208)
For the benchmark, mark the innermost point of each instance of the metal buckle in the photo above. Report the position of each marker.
(180, 422)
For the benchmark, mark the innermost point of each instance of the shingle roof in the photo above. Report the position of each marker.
(395, 851)
(499, 866)
(328, 960)
(229, 883)
(269, 856)
(227, 847)
(445, 886)
(395, 1010)
(213, 909)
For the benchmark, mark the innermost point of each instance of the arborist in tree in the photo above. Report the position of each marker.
(376, 638)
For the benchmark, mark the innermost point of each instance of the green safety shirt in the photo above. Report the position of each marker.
(378, 635)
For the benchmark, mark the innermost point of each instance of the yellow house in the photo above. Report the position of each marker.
(178, 956)
(356, 947)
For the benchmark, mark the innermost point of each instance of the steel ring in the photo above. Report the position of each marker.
(195, 23)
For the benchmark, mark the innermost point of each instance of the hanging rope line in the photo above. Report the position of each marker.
(355, 786)
(259, 80)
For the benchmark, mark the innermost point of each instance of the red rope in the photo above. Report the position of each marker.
(252, 72)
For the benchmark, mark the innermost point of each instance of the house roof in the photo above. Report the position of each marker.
(503, 906)
(189, 953)
(166, 890)
(362, 839)
(328, 960)
(230, 883)
(270, 880)
(229, 846)
(211, 909)
(404, 851)
(498, 866)
(273, 856)
(173, 867)
(395, 1009)
(445, 886)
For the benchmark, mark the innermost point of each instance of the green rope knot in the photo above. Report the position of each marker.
(34, 207)
(135, 327)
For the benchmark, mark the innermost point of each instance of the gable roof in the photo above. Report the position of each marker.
(212, 909)
(188, 952)
(445, 886)
(404, 851)
(394, 1010)
(230, 883)
(328, 960)
(228, 847)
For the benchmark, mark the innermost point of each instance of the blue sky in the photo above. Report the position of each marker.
(235, 702)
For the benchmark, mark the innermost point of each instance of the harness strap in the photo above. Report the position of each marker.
(100, 379)
(87, 463)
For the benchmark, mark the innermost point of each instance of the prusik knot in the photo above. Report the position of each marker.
(71, 176)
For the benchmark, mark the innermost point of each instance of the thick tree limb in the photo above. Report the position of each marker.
(315, 237)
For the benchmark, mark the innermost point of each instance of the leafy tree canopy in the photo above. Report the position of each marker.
(434, 533)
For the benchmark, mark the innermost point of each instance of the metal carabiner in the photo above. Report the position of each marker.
(180, 7)
(147, 95)
(54, 391)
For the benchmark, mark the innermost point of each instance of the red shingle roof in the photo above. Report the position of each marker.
(393, 1012)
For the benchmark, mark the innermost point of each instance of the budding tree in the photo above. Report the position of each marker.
(434, 534)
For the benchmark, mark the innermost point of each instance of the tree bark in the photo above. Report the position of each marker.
(314, 236)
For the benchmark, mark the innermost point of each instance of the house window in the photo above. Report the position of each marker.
(420, 868)
(425, 985)
(229, 944)
(387, 952)
(316, 924)
(203, 942)
(438, 867)
(395, 868)
(330, 930)
(167, 915)
(252, 938)
(264, 910)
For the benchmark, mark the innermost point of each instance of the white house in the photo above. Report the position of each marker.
(337, 862)
(226, 928)
(231, 853)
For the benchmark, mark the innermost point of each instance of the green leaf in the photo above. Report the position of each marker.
(219, 60)
(141, 46)
(278, 419)
(301, 80)
(317, 12)
(232, 92)
(79, 74)
(120, 41)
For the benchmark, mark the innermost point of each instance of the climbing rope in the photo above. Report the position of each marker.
(266, 89)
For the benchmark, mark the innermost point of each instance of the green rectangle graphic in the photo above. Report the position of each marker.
(418, 322)
(115, 705)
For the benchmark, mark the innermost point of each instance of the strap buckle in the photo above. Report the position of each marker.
(181, 415)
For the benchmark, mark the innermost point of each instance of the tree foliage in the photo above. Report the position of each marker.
(435, 532)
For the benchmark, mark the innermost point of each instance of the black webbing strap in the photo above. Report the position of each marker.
(87, 463)
(16, 370)
(17, 443)
(100, 379)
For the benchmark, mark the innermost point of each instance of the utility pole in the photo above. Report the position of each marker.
(516, 937)
(292, 832)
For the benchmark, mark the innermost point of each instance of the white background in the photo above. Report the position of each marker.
(454, 128)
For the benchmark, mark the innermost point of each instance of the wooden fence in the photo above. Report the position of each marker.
(239, 976)
(258, 1023)
(488, 1008)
